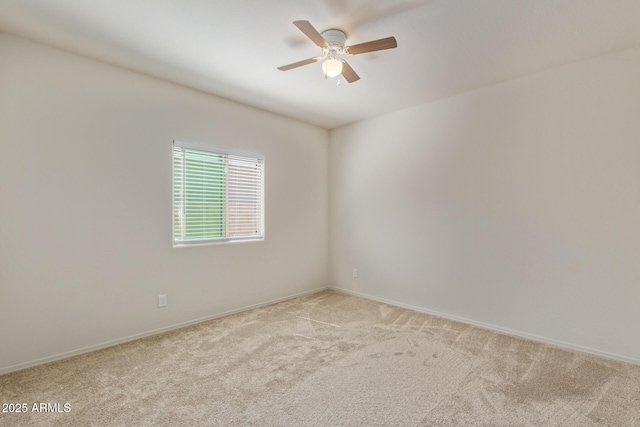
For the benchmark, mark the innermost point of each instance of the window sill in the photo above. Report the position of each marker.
(216, 242)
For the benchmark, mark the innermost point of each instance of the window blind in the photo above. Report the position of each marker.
(217, 196)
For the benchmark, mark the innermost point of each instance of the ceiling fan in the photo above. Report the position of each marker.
(332, 44)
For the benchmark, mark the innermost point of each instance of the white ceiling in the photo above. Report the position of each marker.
(231, 48)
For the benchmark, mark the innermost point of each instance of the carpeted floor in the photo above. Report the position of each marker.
(328, 359)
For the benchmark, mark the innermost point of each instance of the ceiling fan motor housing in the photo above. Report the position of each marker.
(336, 40)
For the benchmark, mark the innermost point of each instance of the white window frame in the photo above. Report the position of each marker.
(221, 240)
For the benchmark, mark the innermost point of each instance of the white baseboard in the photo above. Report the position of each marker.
(88, 349)
(483, 325)
(500, 329)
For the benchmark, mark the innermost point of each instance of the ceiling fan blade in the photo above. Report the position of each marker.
(348, 73)
(299, 64)
(372, 46)
(311, 32)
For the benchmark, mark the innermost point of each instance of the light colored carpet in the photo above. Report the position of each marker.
(329, 359)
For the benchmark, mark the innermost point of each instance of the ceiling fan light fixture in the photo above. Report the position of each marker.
(332, 67)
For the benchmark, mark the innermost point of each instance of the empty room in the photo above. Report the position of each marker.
(320, 213)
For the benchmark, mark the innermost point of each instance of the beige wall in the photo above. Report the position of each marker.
(85, 194)
(516, 206)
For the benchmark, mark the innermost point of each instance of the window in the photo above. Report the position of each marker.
(217, 195)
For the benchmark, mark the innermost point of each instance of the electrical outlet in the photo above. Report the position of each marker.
(355, 272)
(162, 300)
